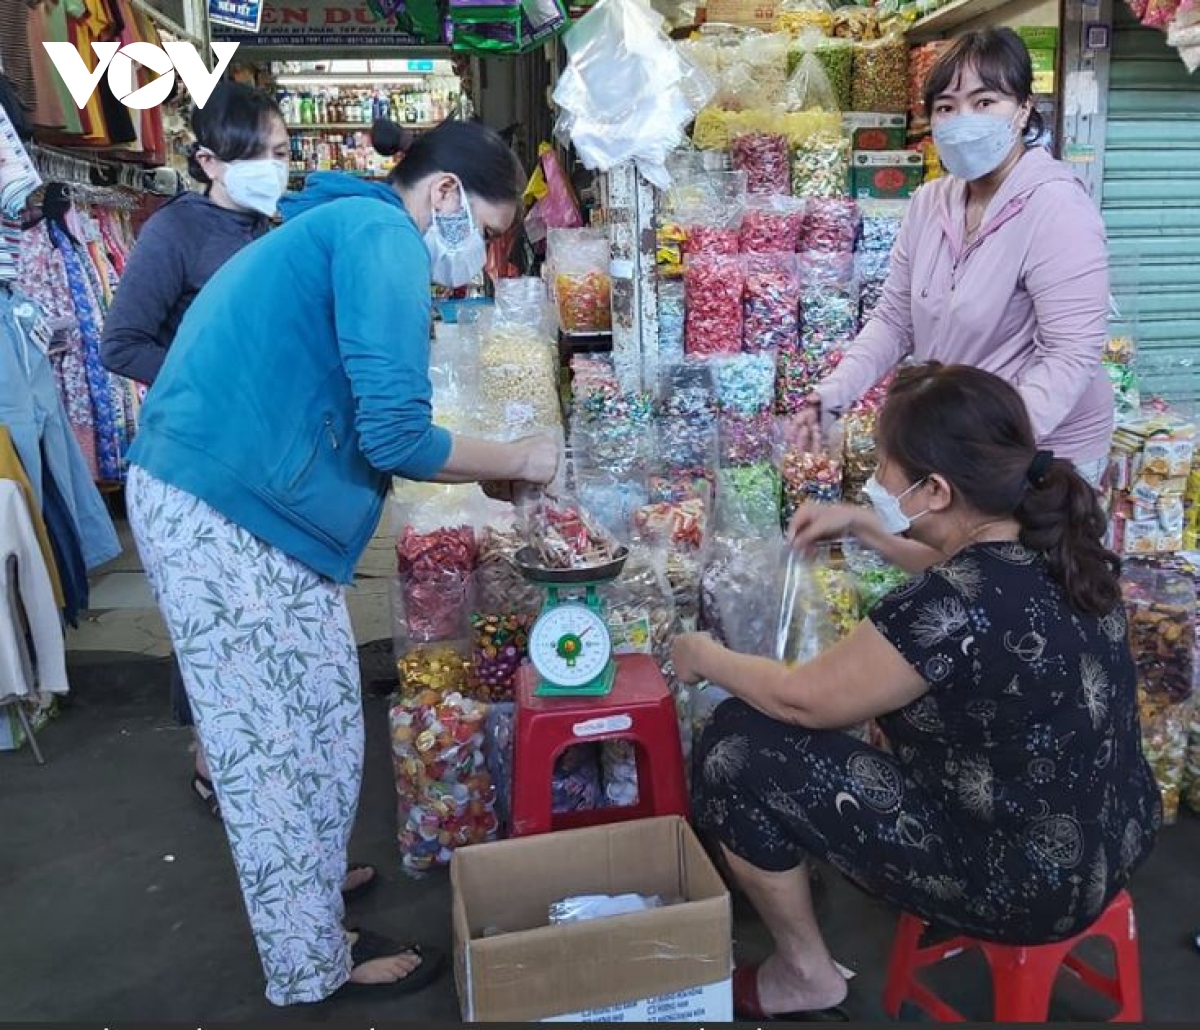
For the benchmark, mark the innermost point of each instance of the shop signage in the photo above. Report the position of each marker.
(242, 15)
(119, 61)
(318, 23)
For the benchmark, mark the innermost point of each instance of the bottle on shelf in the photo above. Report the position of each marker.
(306, 109)
(366, 109)
(284, 99)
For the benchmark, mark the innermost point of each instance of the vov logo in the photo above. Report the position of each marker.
(119, 62)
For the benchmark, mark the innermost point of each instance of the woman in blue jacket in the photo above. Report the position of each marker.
(240, 155)
(297, 388)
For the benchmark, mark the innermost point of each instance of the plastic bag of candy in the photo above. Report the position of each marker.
(744, 383)
(831, 224)
(619, 773)
(808, 85)
(815, 604)
(576, 785)
(881, 75)
(771, 317)
(799, 17)
(498, 750)
(1164, 743)
(836, 57)
(874, 577)
(639, 605)
(1161, 606)
(771, 225)
(810, 475)
(714, 305)
(444, 791)
(518, 382)
(433, 671)
(764, 157)
(579, 262)
(748, 498)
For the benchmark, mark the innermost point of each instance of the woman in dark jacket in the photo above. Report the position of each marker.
(241, 156)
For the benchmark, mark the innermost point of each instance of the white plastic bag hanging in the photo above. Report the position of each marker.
(628, 92)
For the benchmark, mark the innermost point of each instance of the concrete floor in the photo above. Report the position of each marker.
(118, 899)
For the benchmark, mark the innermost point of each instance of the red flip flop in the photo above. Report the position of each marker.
(747, 1006)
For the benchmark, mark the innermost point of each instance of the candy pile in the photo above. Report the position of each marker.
(434, 581)
(763, 156)
(618, 769)
(809, 476)
(711, 239)
(881, 76)
(771, 317)
(444, 789)
(500, 643)
(771, 225)
(568, 538)
(584, 301)
(433, 671)
(748, 498)
(714, 305)
(821, 167)
(518, 381)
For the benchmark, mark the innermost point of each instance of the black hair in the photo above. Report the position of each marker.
(972, 427)
(1002, 62)
(483, 162)
(234, 124)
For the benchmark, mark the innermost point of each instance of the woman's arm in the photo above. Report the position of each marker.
(814, 523)
(533, 459)
(888, 336)
(154, 279)
(1066, 275)
(861, 677)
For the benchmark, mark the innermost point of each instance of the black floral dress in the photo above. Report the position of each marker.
(1017, 800)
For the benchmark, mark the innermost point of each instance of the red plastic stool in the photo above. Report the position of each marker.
(639, 709)
(1022, 977)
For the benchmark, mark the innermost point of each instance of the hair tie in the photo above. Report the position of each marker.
(1036, 473)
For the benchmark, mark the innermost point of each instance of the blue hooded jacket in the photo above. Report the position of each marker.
(298, 383)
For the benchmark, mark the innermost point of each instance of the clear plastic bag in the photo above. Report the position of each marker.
(582, 284)
(810, 475)
(628, 92)
(881, 75)
(1162, 610)
(518, 382)
(713, 323)
(444, 791)
(639, 605)
(808, 86)
(764, 157)
(772, 225)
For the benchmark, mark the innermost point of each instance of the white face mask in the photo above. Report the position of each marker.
(457, 252)
(888, 508)
(257, 184)
(974, 145)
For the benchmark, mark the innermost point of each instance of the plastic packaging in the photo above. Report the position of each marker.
(856, 23)
(799, 17)
(432, 671)
(836, 58)
(808, 85)
(582, 283)
(575, 785)
(771, 225)
(671, 316)
(1162, 609)
(714, 305)
(921, 61)
(518, 382)
(1164, 742)
(445, 794)
(830, 224)
(763, 156)
(771, 314)
(628, 91)
(744, 383)
(811, 476)
(821, 167)
(586, 907)
(881, 75)
(639, 607)
(748, 499)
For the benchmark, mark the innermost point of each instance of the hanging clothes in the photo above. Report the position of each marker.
(67, 552)
(31, 409)
(56, 109)
(11, 468)
(26, 598)
(16, 55)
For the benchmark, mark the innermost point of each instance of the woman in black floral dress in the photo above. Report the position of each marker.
(1016, 802)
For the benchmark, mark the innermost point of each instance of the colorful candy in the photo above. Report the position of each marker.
(809, 477)
(830, 225)
(431, 672)
(566, 537)
(921, 61)
(821, 168)
(771, 225)
(444, 791)
(748, 498)
(763, 156)
(881, 76)
(745, 383)
(711, 239)
(714, 305)
(671, 314)
(745, 439)
(771, 318)
(434, 581)
(584, 301)
(500, 645)
(575, 785)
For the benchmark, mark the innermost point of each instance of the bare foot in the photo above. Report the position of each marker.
(355, 878)
(783, 988)
(384, 970)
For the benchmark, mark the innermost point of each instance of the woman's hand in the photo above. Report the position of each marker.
(814, 523)
(803, 428)
(688, 655)
(539, 459)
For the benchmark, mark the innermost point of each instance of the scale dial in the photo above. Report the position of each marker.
(569, 645)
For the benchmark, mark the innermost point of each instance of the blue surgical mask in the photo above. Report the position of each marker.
(887, 506)
(457, 252)
(974, 145)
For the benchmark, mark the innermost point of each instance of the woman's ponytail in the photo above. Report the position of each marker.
(390, 138)
(1060, 516)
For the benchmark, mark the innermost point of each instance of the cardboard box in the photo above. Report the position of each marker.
(760, 14)
(671, 964)
(870, 131)
(886, 174)
(1039, 37)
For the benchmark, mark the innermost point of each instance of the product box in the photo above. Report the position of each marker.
(886, 174)
(670, 964)
(1039, 37)
(759, 14)
(1043, 60)
(1044, 83)
(870, 131)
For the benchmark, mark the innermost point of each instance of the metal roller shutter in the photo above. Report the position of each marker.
(1151, 201)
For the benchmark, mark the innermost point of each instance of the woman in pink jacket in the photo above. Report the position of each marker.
(1001, 265)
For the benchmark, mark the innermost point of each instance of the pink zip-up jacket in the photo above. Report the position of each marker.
(1028, 300)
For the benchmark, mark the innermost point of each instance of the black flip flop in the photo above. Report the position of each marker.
(371, 946)
(203, 789)
(363, 888)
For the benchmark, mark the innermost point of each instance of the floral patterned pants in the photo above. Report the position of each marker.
(269, 663)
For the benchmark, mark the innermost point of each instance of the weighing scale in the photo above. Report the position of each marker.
(569, 645)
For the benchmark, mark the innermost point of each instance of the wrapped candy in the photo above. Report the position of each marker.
(821, 167)
(611, 431)
(671, 313)
(498, 753)
(432, 671)
(499, 586)
(745, 439)
(859, 452)
(839, 592)
(445, 795)
(874, 577)
(711, 239)
(575, 785)
(763, 156)
(748, 498)
(618, 763)
(610, 498)
(830, 225)
(566, 537)
(434, 583)
(810, 476)
(714, 305)
(518, 381)
(881, 75)
(856, 23)
(745, 383)
(584, 301)
(639, 609)
(500, 643)
(771, 225)
(771, 319)
(798, 17)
